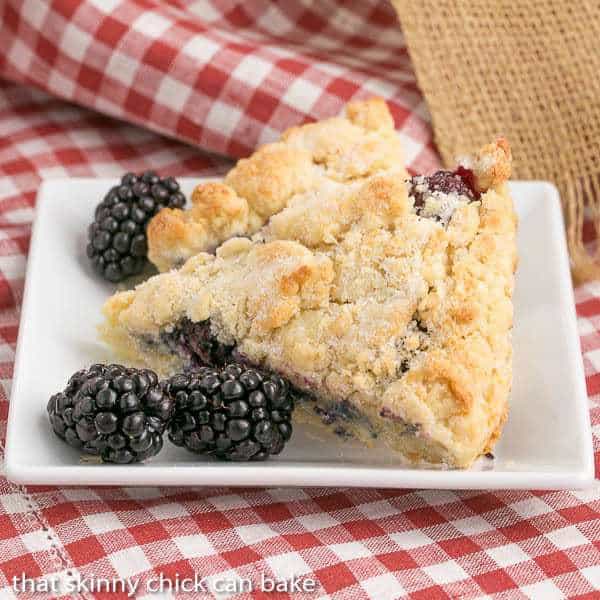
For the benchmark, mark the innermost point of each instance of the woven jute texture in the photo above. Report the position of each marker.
(529, 71)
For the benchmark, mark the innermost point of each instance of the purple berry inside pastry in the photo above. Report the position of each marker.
(446, 182)
(468, 178)
(437, 196)
(195, 343)
(198, 347)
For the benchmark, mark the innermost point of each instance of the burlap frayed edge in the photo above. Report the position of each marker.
(581, 203)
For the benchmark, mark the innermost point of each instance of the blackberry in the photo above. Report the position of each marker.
(117, 244)
(447, 182)
(234, 413)
(112, 411)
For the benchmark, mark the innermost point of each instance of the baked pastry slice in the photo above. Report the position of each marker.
(351, 148)
(387, 304)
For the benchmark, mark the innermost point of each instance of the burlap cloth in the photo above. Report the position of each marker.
(529, 71)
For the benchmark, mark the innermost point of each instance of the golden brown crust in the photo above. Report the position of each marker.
(371, 115)
(217, 213)
(353, 147)
(491, 165)
(353, 295)
(271, 176)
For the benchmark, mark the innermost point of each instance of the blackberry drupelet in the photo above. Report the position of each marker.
(117, 244)
(458, 182)
(112, 411)
(234, 413)
(449, 182)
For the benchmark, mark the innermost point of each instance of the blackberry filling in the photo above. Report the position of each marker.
(337, 414)
(409, 428)
(468, 178)
(418, 327)
(446, 182)
(436, 196)
(195, 343)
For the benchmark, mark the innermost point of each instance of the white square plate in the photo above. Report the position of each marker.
(546, 441)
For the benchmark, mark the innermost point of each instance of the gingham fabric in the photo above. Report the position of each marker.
(232, 75)
(225, 75)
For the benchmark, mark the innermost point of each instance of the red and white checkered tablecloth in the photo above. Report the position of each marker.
(228, 75)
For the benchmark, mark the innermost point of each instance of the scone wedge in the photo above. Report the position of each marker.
(309, 159)
(387, 303)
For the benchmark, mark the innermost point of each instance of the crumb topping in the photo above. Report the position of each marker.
(354, 147)
(394, 295)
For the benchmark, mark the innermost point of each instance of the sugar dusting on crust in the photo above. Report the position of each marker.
(358, 145)
(353, 295)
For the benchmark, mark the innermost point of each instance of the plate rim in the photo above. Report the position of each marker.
(295, 473)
